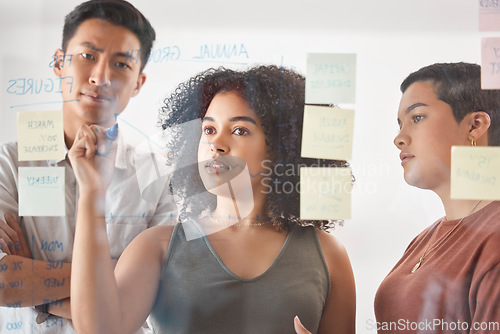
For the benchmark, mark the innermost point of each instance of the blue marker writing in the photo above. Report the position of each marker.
(111, 135)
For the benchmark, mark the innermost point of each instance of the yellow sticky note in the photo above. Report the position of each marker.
(325, 193)
(475, 172)
(327, 133)
(490, 63)
(41, 191)
(331, 78)
(489, 15)
(40, 135)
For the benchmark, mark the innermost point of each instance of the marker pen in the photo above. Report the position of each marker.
(111, 135)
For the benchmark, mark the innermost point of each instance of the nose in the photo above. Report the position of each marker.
(218, 146)
(217, 149)
(401, 140)
(100, 74)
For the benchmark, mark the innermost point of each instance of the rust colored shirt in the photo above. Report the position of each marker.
(457, 287)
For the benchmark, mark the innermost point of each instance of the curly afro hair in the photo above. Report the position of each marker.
(277, 96)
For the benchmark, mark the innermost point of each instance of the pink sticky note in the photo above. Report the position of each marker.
(490, 63)
(489, 15)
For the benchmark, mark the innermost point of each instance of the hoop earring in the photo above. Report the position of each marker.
(473, 142)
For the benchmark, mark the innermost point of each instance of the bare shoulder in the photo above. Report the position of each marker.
(159, 233)
(335, 256)
(152, 243)
(331, 246)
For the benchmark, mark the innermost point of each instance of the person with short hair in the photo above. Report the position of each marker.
(447, 279)
(106, 44)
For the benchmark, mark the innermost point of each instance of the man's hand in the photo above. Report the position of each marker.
(12, 240)
(93, 169)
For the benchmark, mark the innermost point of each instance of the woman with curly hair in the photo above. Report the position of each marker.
(240, 260)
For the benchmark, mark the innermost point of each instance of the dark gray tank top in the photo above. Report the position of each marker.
(199, 294)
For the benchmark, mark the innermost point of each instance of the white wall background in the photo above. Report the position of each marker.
(391, 38)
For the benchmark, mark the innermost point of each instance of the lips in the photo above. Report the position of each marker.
(95, 97)
(214, 166)
(405, 157)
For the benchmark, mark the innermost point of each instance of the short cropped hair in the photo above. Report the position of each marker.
(277, 96)
(117, 12)
(459, 85)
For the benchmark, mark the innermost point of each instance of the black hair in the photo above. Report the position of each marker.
(459, 85)
(276, 95)
(117, 12)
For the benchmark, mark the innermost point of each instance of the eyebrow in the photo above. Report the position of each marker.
(410, 108)
(119, 54)
(415, 105)
(232, 119)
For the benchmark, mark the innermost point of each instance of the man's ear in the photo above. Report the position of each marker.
(58, 62)
(479, 123)
(140, 81)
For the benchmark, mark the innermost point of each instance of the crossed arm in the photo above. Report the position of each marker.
(25, 282)
(28, 282)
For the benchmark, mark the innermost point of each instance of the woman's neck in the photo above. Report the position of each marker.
(458, 208)
(244, 212)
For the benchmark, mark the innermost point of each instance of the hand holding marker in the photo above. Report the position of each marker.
(111, 135)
